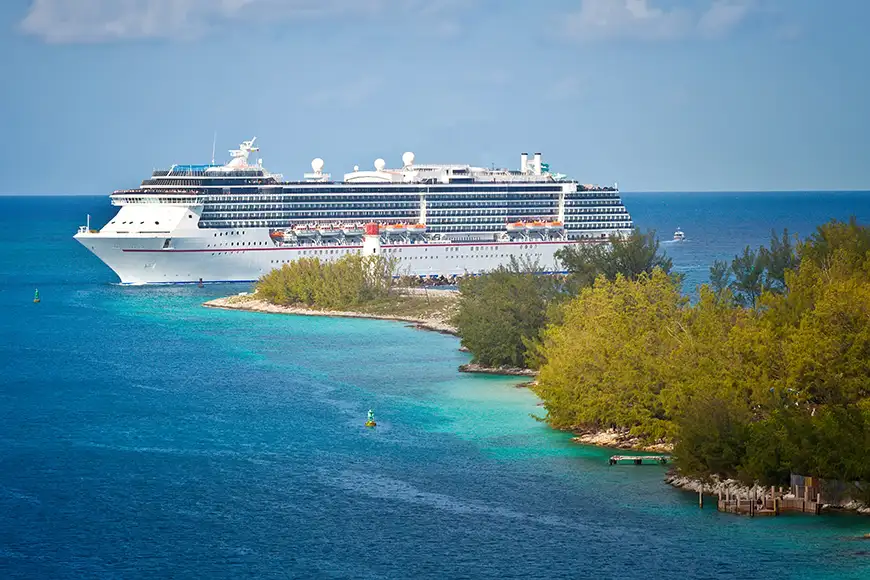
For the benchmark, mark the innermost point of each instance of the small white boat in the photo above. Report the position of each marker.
(304, 231)
(328, 231)
(679, 236)
(353, 229)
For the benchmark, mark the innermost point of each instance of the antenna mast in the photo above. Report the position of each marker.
(213, 144)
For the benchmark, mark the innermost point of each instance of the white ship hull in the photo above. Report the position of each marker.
(213, 223)
(238, 257)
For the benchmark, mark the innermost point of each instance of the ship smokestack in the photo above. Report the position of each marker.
(538, 167)
(524, 163)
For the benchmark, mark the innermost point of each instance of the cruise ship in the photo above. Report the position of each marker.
(236, 222)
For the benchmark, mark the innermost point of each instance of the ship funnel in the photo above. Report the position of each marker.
(524, 163)
(537, 164)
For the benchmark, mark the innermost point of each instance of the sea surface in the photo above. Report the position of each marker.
(143, 436)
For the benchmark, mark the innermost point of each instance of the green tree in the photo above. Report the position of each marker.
(712, 436)
(720, 277)
(851, 239)
(603, 363)
(748, 282)
(345, 283)
(502, 312)
(778, 258)
(629, 256)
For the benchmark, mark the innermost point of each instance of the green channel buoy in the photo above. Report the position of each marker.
(36, 297)
(370, 422)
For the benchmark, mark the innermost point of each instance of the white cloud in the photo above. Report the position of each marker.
(722, 16)
(69, 21)
(643, 20)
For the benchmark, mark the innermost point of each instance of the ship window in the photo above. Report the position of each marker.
(156, 223)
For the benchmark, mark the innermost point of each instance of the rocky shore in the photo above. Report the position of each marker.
(619, 439)
(503, 370)
(713, 487)
(732, 487)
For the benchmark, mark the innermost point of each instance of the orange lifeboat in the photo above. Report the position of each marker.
(516, 227)
(395, 229)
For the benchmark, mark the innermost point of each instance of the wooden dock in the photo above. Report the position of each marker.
(640, 459)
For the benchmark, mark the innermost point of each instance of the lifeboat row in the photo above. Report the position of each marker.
(349, 230)
(402, 229)
(535, 226)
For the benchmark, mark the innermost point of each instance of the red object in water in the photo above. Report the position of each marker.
(372, 229)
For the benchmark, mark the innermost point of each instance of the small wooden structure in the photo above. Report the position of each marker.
(639, 459)
(770, 502)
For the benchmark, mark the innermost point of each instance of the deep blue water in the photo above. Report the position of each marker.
(142, 436)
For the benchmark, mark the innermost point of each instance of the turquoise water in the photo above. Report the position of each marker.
(142, 436)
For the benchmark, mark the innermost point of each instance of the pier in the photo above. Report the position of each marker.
(640, 459)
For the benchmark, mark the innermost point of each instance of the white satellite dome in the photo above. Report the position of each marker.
(408, 158)
(356, 167)
(317, 164)
(380, 164)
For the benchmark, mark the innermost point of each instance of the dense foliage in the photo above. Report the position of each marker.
(755, 271)
(767, 373)
(502, 313)
(629, 256)
(346, 283)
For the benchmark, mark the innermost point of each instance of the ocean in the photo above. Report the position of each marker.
(144, 436)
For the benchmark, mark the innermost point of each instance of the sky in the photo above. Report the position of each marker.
(657, 95)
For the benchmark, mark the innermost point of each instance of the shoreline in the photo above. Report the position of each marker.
(618, 439)
(502, 370)
(251, 304)
(604, 438)
(608, 438)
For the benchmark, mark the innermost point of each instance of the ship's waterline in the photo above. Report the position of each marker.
(143, 260)
(235, 222)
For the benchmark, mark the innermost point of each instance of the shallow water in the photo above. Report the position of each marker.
(144, 436)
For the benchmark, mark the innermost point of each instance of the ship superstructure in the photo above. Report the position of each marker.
(237, 221)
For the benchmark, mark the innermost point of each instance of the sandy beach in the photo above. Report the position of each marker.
(437, 322)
